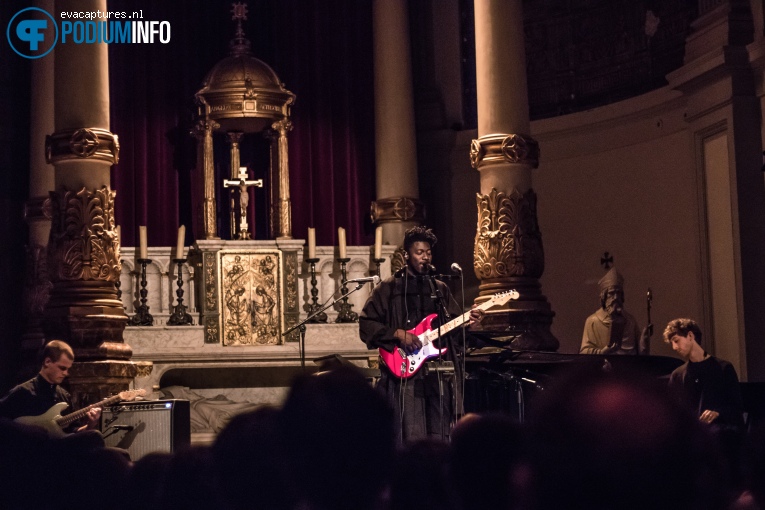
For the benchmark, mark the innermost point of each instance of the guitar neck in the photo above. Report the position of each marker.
(431, 336)
(72, 417)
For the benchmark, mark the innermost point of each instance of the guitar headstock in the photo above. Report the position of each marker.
(501, 298)
(131, 394)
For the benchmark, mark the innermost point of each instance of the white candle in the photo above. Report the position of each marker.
(341, 242)
(378, 243)
(181, 242)
(311, 243)
(143, 244)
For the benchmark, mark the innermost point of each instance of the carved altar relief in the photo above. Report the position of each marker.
(251, 304)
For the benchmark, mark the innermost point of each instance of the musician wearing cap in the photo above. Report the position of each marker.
(395, 319)
(611, 330)
(38, 395)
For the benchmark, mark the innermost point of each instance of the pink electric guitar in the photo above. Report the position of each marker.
(404, 366)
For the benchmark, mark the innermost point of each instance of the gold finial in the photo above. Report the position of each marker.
(239, 44)
(239, 11)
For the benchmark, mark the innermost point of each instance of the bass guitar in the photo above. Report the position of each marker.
(52, 421)
(404, 367)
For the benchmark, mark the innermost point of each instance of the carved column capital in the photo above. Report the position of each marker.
(83, 241)
(203, 127)
(85, 143)
(397, 209)
(508, 242)
(504, 148)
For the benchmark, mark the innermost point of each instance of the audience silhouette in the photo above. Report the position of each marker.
(594, 440)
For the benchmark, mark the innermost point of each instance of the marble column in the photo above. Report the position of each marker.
(203, 132)
(397, 206)
(37, 209)
(282, 167)
(508, 244)
(83, 250)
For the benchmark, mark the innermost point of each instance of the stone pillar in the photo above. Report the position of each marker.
(37, 209)
(397, 206)
(83, 250)
(508, 244)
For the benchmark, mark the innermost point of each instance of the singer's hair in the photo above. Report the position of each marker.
(419, 233)
(682, 327)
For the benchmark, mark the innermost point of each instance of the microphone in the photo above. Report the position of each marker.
(374, 279)
(456, 268)
(431, 268)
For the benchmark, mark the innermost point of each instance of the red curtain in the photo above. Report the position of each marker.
(321, 50)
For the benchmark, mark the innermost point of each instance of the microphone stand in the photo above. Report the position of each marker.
(438, 300)
(301, 325)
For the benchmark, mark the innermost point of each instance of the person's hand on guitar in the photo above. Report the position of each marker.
(93, 418)
(408, 341)
(476, 314)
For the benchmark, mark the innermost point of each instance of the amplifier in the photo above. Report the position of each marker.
(147, 426)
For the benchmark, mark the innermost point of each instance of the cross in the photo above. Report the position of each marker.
(606, 260)
(244, 198)
(239, 11)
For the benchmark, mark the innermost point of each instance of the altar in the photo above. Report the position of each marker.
(204, 357)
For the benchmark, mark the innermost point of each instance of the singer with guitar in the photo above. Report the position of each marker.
(38, 395)
(423, 404)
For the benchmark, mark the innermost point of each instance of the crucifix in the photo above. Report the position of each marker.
(242, 183)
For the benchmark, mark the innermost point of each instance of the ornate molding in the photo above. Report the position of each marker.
(85, 143)
(37, 209)
(211, 282)
(508, 241)
(504, 148)
(291, 296)
(397, 260)
(37, 284)
(83, 242)
(397, 209)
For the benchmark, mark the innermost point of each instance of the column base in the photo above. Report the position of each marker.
(92, 381)
(525, 322)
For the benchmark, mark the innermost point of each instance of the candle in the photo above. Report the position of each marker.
(311, 243)
(378, 243)
(181, 242)
(341, 242)
(143, 244)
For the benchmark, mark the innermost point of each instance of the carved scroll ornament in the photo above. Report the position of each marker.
(83, 242)
(508, 241)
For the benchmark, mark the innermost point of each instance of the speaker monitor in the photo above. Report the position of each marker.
(147, 426)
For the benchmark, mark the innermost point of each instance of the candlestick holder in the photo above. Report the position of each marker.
(345, 314)
(142, 316)
(379, 263)
(320, 317)
(180, 317)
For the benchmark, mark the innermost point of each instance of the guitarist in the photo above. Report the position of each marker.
(40, 393)
(423, 404)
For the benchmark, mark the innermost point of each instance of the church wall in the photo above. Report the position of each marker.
(622, 179)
